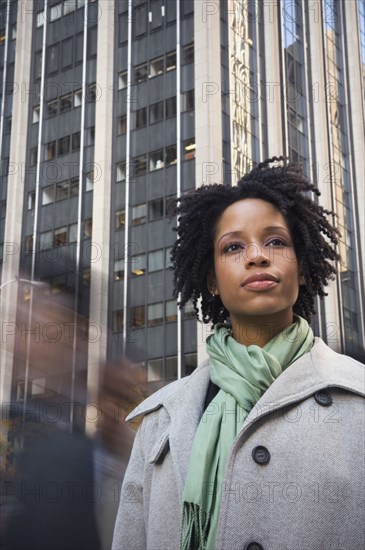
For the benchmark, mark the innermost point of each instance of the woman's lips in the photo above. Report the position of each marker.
(260, 284)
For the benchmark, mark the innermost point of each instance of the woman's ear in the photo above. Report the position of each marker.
(212, 284)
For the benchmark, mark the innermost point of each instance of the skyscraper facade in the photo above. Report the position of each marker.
(112, 109)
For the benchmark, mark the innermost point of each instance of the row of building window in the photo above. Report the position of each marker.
(66, 102)
(151, 314)
(157, 66)
(59, 10)
(157, 112)
(59, 236)
(156, 371)
(68, 144)
(156, 160)
(156, 209)
(157, 261)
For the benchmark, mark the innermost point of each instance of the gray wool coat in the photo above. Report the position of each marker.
(295, 474)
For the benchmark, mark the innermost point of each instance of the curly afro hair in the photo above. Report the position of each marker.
(282, 184)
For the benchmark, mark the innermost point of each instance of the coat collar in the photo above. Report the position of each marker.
(183, 400)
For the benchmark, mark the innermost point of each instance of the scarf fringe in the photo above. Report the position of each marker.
(195, 527)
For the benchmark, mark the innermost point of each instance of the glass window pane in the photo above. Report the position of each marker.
(140, 165)
(140, 72)
(46, 239)
(157, 66)
(62, 190)
(155, 314)
(138, 317)
(156, 112)
(156, 260)
(48, 194)
(65, 103)
(171, 61)
(119, 219)
(60, 236)
(121, 171)
(138, 265)
(188, 54)
(171, 106)
(155, 209)
(171, 310)
(155, 370)
(141, 117)
(156, 160)
(139, 214)
(171, 155)
(119, 270)
(171, 368)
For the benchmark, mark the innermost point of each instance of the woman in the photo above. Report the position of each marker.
(263, 445)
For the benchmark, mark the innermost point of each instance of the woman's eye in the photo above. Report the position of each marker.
(276, 242)
(233, 247)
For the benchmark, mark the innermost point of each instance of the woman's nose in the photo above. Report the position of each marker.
(257, 254)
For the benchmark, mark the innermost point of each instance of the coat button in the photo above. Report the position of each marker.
(262, 456)
(323, 398)
(253, 546)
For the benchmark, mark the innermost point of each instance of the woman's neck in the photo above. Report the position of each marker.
(259, 331)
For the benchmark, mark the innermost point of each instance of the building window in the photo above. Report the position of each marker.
(118, 320)
(74, 187)
(155, 209)
(29, 244)
(140, 19)
(155, 370)
(122, 125)
(139, 214)
(46, 240)
(55, 12)
(140, 165)
(72, 233)
(64, 145)
(171, 106)
(171, 368)
(156, 160)
(62, 190)
(187, 54)
(60, 236)
(187, 101)
(33, 156)
(138, 316)
(78, 98)
(156, 260)
(52, 107)
(140, 72)
(69, 6)
(90, 180)
(170, 155)
(141, 118)
(36, 111)
(168, 262)
(138, 265)
(189, 149)
(119, 270)
(50, 150)
(53, 54)
(76, 141)
(156, 112)
(65, 103)
(189, 311)
(171, 61)
(119, 219)
(155, 314)
(122, 80)
(171, 311)
(88, 229)
(121, 171)
(79, 47)
(40, 19)
(31, 203)
(156, 66)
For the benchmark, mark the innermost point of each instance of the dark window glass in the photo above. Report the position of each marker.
(189, 149)
(156, 112)
(140, 165)
(76, 141)
(53, 54)
(170, 155)
(141, 117)
(52, 107)
(138, 316)
(155, 209)
(50, 150)
(171, 106)
(156, 14)
(171, 61)
(123, 27)
(65, 103)
(188, 54)
(140, 72)
(62, 190)
(122, 125)
(37, 65)
(92, 42)
(140, 19)
(170, 206)
(64, 145)
(156, 160)
(187, 101)
(157, 66)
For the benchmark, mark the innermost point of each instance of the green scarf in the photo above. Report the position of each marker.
(243, 374)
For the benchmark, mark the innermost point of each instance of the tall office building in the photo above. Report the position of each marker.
(112, 109)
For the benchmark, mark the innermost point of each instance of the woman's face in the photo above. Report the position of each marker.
(255, 267)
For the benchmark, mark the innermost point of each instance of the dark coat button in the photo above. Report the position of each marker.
(253, 546)
(323, 398)
(261, 455)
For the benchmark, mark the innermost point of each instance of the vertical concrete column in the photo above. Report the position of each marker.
(208, 109)
(102, 198)
(15, 199)
(208, 104)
